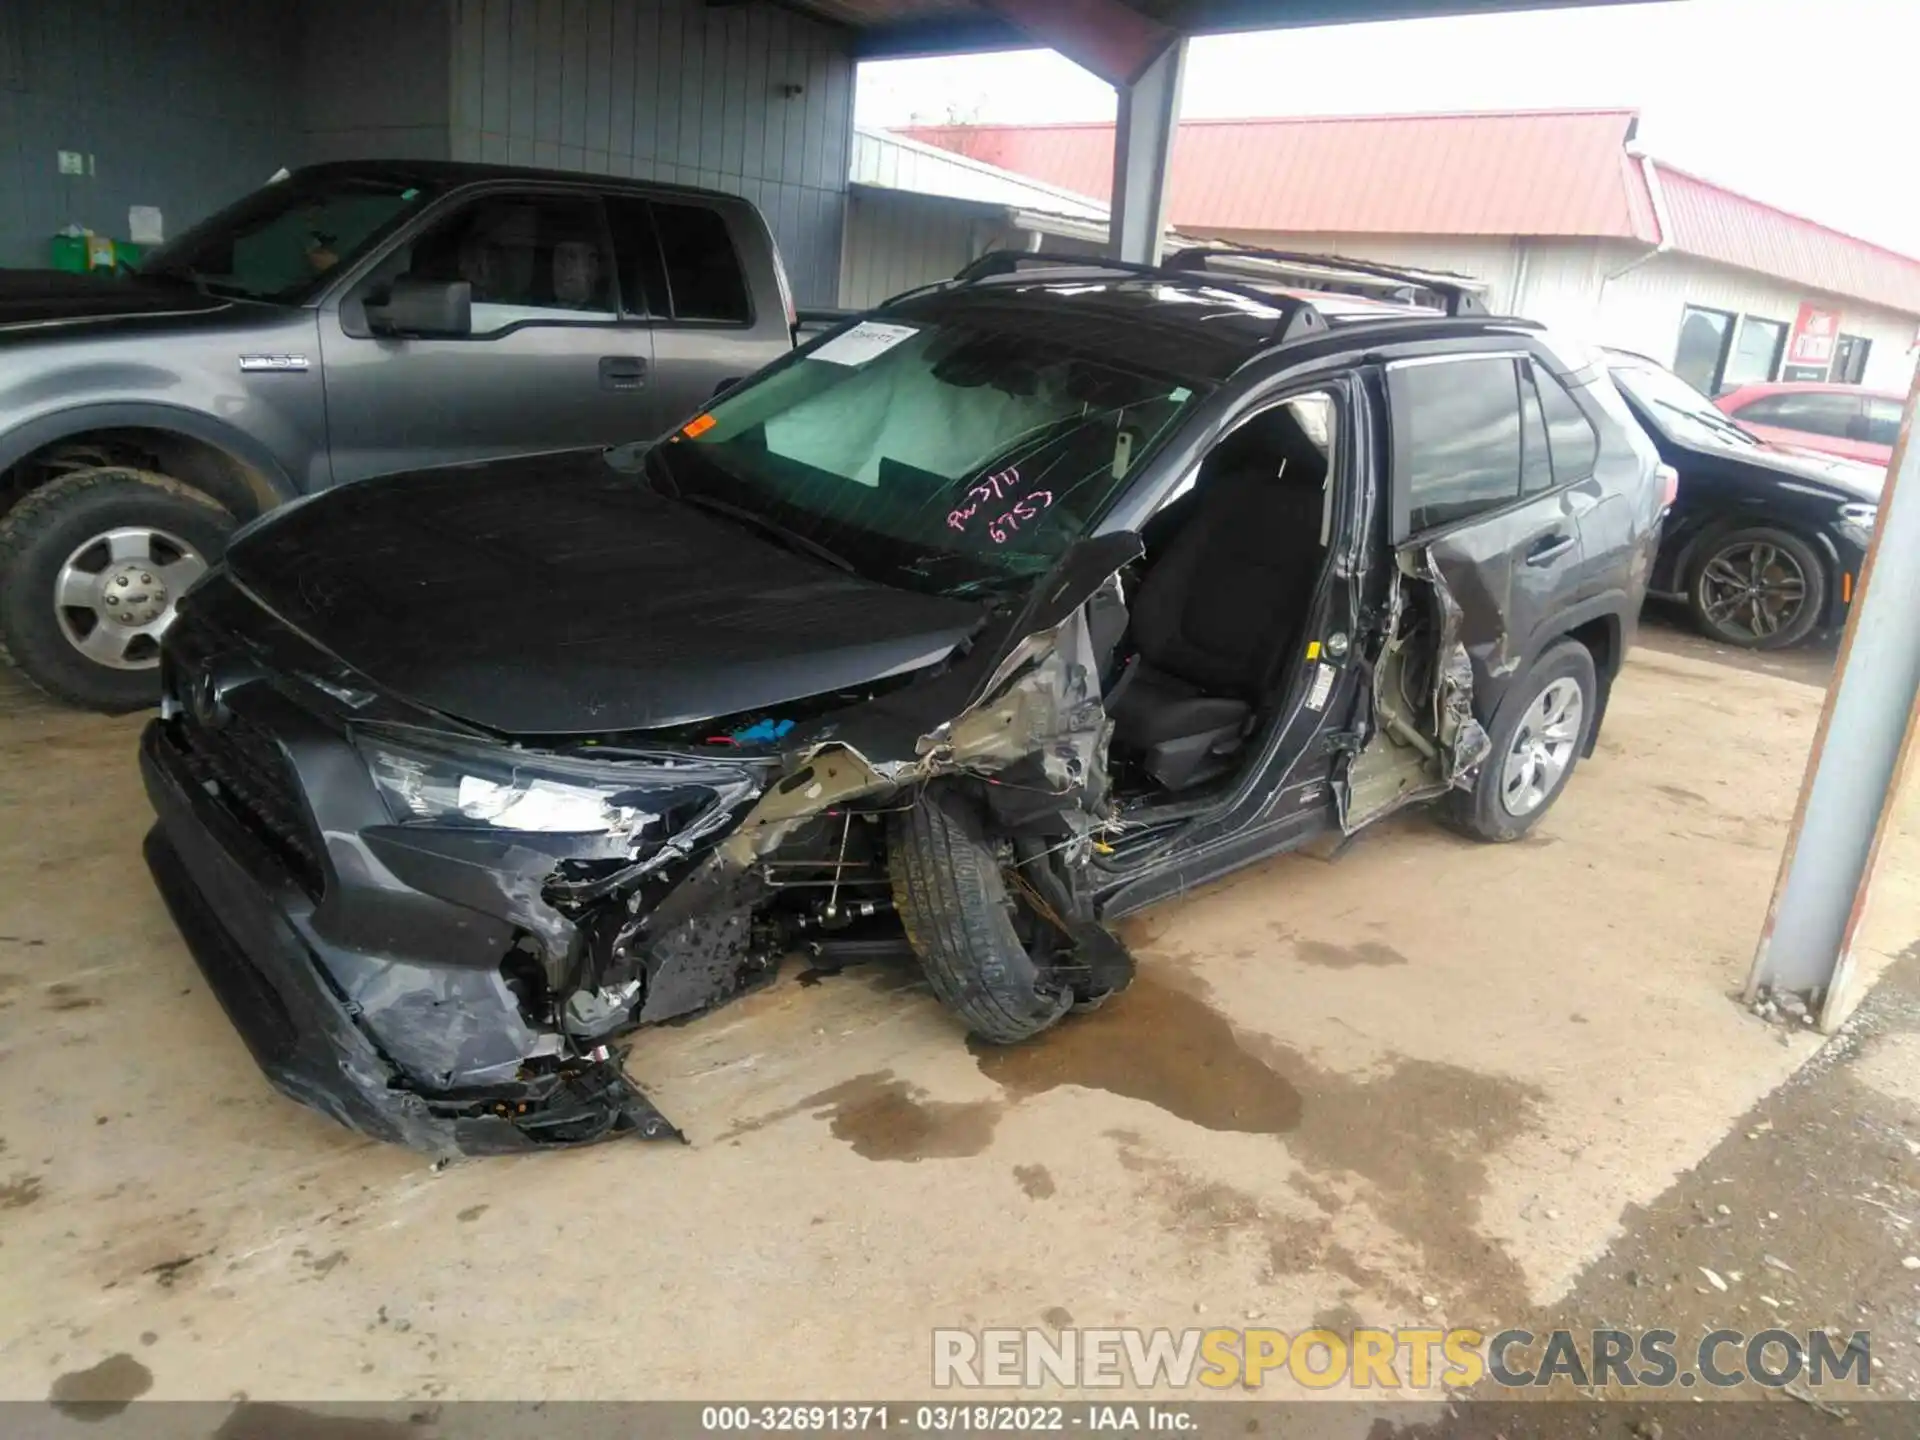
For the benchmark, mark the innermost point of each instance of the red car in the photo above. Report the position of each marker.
(1840, 420)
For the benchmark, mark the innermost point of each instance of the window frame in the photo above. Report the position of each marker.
(1399, 479)
(696, 322)
(1782, 332)
(1734, 320)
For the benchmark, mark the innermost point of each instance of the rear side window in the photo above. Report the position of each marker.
(1811, 414)
(703, 275)
(1456, 431)
(1883, 422)
(1570, 435)
(1536, 460)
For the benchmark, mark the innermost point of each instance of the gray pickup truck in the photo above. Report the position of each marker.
(343, 321)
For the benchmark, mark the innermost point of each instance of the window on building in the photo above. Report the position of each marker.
(1883, 421)
(1705, 337)
(1812, 413)
(1756, 353)
(1456, 429)
(1850, 359)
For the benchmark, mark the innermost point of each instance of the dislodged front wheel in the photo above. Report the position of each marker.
(952, 896)
(1761, 589)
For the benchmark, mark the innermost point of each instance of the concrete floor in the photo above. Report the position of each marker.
(1426, 1083)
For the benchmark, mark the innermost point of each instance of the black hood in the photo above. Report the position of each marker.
(41, 297)
(554, 595)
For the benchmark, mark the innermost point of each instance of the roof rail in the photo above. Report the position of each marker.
(1459, 298)
(1298, 317)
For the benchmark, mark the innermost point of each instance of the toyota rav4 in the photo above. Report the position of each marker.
(1025, 601)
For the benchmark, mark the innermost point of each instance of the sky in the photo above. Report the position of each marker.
(1811, 105)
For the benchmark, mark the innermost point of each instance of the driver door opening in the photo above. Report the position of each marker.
(1221, 606)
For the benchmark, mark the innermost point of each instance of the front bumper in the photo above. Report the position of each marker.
(435, 1055)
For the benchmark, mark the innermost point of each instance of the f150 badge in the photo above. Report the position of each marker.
(296, 363)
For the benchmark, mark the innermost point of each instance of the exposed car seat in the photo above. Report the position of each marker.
(1214, 621)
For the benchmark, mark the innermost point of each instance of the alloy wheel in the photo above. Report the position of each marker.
(1753, 588)
(1542, 747)
(115, 594)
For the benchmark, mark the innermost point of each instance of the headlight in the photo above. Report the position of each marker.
(625, 805)
(1857, 519)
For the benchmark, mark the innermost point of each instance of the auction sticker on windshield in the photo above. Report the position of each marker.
(864, 341)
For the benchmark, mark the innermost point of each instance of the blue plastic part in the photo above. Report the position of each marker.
(761, 732)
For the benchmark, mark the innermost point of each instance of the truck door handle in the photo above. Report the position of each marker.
(622, 372)
(1549, 548)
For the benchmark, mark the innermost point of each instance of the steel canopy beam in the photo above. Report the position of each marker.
(1149, 116)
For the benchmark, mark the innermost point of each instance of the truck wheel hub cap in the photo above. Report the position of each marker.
(116, 593)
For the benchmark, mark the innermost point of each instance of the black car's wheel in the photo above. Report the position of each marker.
(965, 923)
(90, 568)
(1759, 588)
(1537, 737)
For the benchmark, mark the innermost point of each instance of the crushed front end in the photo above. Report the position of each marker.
(442, 938)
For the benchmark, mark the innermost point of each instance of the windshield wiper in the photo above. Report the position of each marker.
(1712, 420)
(791, 538)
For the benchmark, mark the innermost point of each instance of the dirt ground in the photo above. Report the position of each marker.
(1426, 1083)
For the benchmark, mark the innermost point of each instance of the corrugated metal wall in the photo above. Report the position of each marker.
(375, 78)
(752, 99)
(183, 104)
(896, 241)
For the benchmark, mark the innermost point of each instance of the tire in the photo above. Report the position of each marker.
(95, 522)
(1492, 809)
(959, 918)
(1777, 561)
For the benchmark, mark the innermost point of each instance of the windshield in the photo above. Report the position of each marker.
(946, 455)
(281, 241)
(1677, 407)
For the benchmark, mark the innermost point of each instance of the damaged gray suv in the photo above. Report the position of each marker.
(1021, 603)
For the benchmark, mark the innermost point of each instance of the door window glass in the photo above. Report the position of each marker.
(704, 279)
(1756, 353)
(1456, 427)
(1536, 463)
(1702, 351)
(538, 258)
(1883, 422)
(1815, 414)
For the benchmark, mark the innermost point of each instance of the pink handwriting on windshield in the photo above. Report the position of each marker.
(990, 493)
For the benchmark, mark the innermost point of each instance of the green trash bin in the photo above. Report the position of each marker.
(69, 252)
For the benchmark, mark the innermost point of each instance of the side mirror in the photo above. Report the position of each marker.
(429, 309)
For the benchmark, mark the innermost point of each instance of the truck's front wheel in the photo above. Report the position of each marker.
(91, 566)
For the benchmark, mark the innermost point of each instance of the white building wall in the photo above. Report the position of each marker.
(897, 240)
(1641, 309)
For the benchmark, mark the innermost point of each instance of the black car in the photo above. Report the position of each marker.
(1026, 601)
(1765, 543)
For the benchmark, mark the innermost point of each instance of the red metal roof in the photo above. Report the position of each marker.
(1542, 172)
(1716, 223)
(1520, 173)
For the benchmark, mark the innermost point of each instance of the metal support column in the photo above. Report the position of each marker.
(1142, 155)
(1855, 768)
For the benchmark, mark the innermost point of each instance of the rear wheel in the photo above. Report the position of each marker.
(91, 567)
(989, 959)
(1760, 588)
(1537, 738)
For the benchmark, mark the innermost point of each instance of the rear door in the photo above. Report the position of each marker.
(712, 295)
(553, 362)
(1488, 554)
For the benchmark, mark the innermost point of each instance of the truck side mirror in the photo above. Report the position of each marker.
(429, 309)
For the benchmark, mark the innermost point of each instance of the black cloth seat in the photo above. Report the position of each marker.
(1213, 622)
